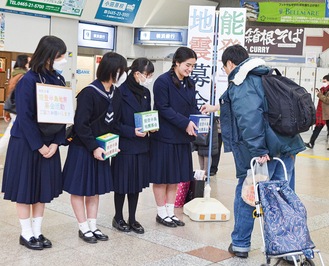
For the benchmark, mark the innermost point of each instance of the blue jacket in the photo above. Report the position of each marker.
(174, 106)
(245, 131)
(125, 105)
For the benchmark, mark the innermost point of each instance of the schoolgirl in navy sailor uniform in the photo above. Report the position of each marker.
(131, 166)
(170, 149)
(32, 174)
(86, 174)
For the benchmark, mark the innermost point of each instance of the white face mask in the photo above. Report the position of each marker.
(120, 80)
(146, 82)
(324, 84)
(59, 65)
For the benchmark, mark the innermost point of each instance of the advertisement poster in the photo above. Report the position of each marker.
(123, 11)
(274, 40)
(200, 39)
(287, 12)
(54, 104)
(65, 7)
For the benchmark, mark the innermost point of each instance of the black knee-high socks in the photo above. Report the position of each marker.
(132, 206)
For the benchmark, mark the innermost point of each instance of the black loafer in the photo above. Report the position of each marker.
(33, 243)
(88, 239)
(137, 227)
(239, 254)
(164, 222)
(177, 221)
(100, 236)
(121, 225)
(45, 241)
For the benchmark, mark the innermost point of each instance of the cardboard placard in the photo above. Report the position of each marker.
(54, 104)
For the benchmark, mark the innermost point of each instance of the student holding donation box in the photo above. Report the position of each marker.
(130, 169)
(170, 148)
(86, 173)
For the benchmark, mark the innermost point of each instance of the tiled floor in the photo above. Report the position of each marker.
(197, 243)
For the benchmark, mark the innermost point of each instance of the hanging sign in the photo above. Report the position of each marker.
(67, 7)
(54, 104)
(160, 36)
(274, 40)
(287, 12)
(123, 11)
(201, 39)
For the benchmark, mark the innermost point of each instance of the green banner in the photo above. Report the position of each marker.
(66, 7)
(287, 12)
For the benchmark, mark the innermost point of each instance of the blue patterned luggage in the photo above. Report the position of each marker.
(282, 218)
(285, 225)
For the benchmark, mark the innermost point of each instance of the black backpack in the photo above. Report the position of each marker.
(290, 107)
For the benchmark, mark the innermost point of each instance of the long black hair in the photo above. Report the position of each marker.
(181, 55)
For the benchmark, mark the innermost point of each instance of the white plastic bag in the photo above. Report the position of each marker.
(248, 191)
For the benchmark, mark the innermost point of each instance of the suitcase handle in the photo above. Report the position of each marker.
(254, 161)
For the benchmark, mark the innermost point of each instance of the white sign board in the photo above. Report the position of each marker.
(54, 104)
(200, 39)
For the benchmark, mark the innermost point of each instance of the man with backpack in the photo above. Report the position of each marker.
(246, 133)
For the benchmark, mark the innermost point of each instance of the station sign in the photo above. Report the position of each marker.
(147, 36)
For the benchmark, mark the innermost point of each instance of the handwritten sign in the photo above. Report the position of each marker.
(54, 104)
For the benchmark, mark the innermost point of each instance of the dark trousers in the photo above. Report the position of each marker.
(215, 158)
(317, 131)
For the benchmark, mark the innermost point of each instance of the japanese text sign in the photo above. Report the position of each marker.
(123, 11)
(287, 12)
(274, 40)
(54, 104)
(67, 7)
(200, 39)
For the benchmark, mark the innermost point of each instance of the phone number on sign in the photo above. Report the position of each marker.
(117, 13)
(25, 4)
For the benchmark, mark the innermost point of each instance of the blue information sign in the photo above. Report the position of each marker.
(123, 11)
(149, 36)
(327, 8)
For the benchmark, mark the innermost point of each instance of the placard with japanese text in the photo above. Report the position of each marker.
(54, 104)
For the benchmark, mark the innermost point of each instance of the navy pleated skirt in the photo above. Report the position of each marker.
(28, 177)
(170, 163)
(131, 172)
(83, 175)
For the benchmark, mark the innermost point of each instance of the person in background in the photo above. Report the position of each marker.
(86, 174)
(247, 135)
(130, 168)
(322, 111)
(20, 68)
(170, 148)
(216, 157)
(37, 178)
